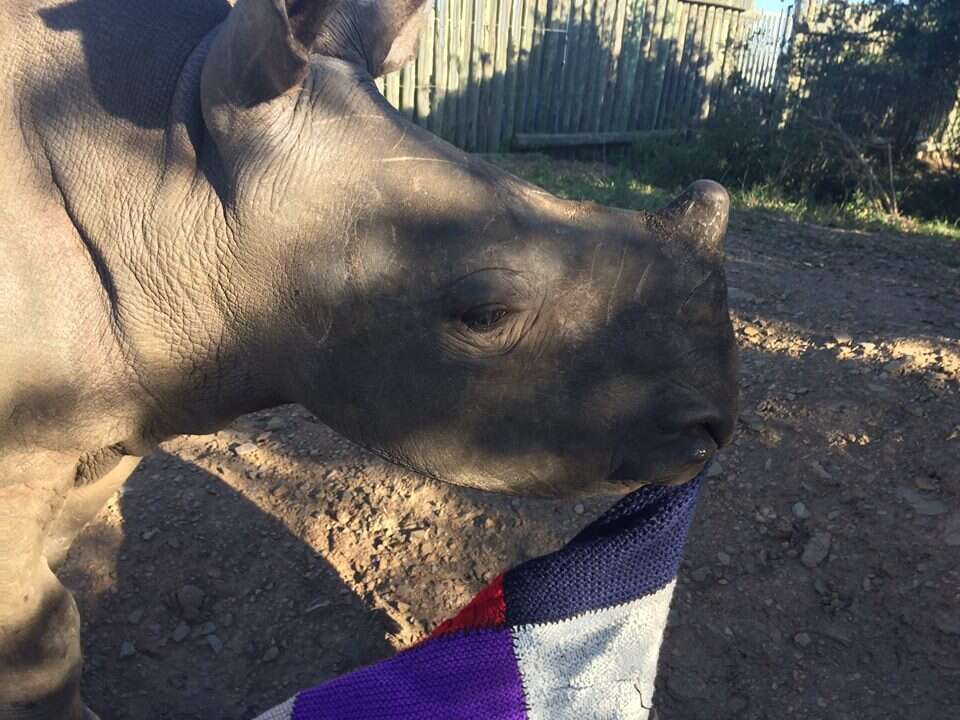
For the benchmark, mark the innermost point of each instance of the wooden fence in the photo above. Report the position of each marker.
(491, 74)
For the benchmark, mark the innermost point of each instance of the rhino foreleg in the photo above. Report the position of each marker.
(40, 656)
(82, 504)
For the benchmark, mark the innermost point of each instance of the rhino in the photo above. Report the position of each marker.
(206, 210)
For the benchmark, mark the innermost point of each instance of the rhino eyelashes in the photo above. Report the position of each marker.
(484, 318)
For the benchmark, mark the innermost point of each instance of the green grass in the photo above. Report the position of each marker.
(616, 186)
(853, 216)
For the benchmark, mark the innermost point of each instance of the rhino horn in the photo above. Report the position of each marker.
(699, 215)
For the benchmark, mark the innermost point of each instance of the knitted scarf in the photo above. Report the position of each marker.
(573, 635)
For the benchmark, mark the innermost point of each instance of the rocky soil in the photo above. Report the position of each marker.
(821, 578)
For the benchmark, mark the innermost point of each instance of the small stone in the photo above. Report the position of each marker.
(180, 632)
(701, 574)
(715, 469)
(751, 330)
(272, 653)
(215, 643)
(190, 600)
(135, 617)
(244, 449)
(951, 533)
(842, 338)
(723, 558)
(800, 511)
(127, 649)
(948, 623)
(148, 535)
(802, 639)
(579, 509)
(921, 504)
(816, 549)
(820, 471)
(276, 423)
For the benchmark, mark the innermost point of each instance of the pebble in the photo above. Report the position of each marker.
(948, 623)
(135, 617)
(215, 643)
(272, 653)
(816, 549)
(800, 511)
(921, 504)
(723, 558)
(244, 449)
(701, 574)
(127, 649)
(751, 330)
(951, 533)
(820, 471)
(715, 469)
(276, 423)
(802, 639)
(579, 509)
(190, 599)
(180, 632)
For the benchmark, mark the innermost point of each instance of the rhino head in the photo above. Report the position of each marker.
(439, 311)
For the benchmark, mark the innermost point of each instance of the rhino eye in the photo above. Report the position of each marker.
(484, 318)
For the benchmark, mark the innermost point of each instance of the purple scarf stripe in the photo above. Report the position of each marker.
(634, 549)
(472, 676)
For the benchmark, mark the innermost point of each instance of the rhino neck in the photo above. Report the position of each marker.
(115, 116)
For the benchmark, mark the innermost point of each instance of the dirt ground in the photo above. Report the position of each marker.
(821, 578)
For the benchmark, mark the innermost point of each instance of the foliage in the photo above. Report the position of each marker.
(868, 80)
(883, 71)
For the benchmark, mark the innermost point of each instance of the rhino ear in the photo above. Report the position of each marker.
(380, 34)
(261, 50)
(699, 215)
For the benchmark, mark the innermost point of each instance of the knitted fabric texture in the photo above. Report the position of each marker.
(573, 635)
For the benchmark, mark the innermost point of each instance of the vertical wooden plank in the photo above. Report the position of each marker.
(701, 101)
(511, 96)
(497, 104)
(579, 65)
(487, 53)
(723, 48)
(439, 82)
(408, 88)
(692, 75)
(613, 71)
(671, 48)
(391, 84)
(678, 91)
(599, 61)
(778, 48)
(590, 60)
(552, 38)
(525, 58)
(674, 66)
(634, 34)
(424, 71)
(749, 53)
(567, 87)
(655, 44)
(462, 78)
(474, 73)
(534, 87)
(605, 67)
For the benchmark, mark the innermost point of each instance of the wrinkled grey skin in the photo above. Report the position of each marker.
(206, 211)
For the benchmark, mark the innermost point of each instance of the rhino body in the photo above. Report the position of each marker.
(206, 210)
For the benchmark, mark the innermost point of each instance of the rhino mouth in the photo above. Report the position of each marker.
(675, 461)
